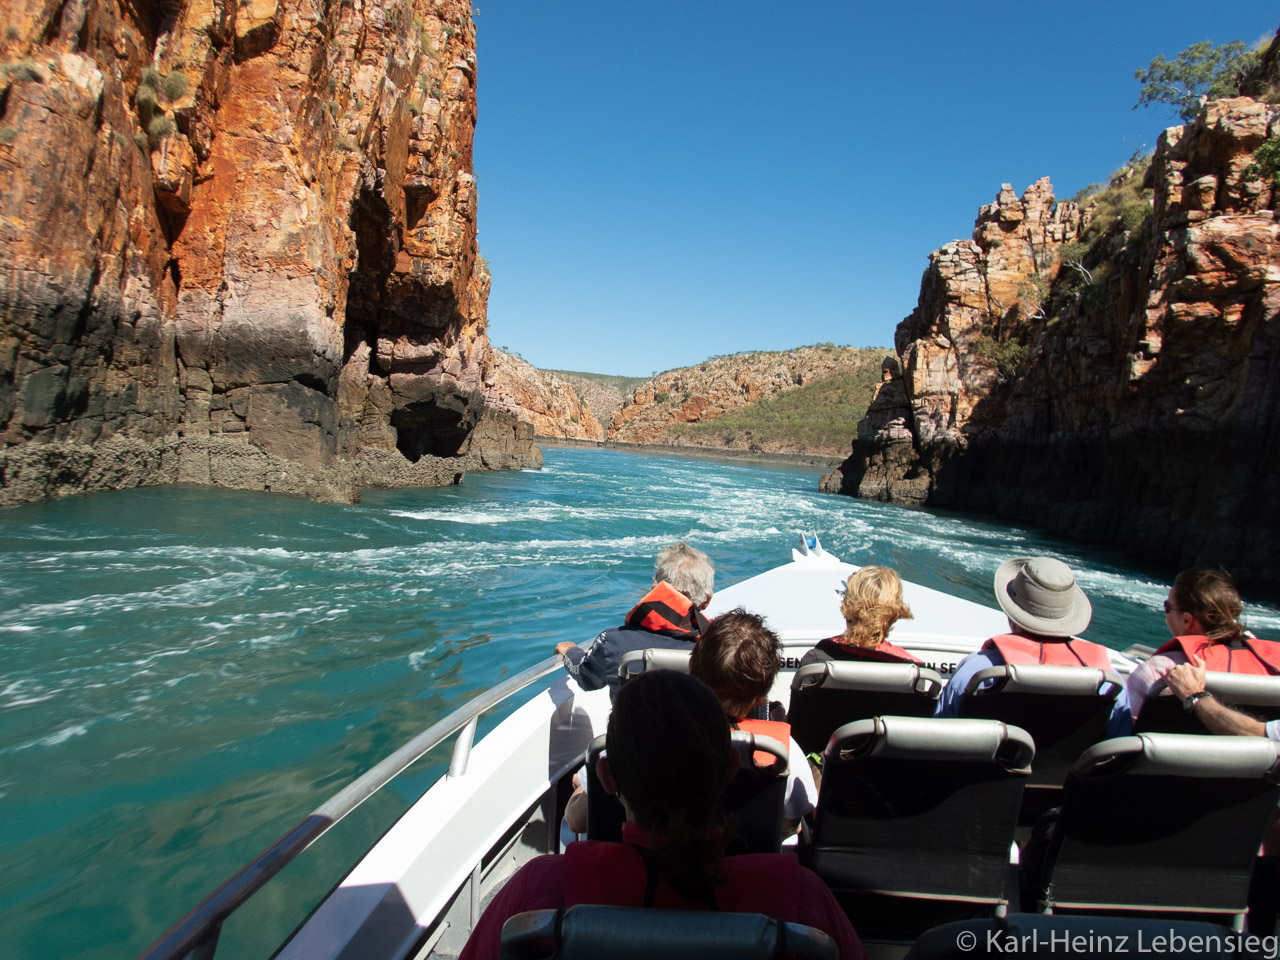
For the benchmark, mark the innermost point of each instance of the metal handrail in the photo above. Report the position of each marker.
(200, 928)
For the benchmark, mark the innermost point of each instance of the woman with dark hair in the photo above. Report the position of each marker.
(1202, 612)
(668, 757)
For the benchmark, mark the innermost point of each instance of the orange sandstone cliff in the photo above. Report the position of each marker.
(1114, 381)
(238, 246)
(541, 398)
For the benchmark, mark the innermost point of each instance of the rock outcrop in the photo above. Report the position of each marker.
(604, 395)
(540, 398)
(1111, 372)
(657, 408)
(241, 225)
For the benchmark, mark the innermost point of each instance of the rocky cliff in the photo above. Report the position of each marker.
(238, 245)
(679, 406)
(1109, 369)
(541, 398)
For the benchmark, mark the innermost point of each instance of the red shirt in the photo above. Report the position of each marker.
(540, 885)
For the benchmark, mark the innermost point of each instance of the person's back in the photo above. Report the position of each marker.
(669, 616)
(1046, 609)
(739, 657)
(1202, 612)
(872, 603)
(668, 757)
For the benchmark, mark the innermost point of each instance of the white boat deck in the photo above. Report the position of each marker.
(430, 873)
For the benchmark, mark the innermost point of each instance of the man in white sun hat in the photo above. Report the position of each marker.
(1046, 609)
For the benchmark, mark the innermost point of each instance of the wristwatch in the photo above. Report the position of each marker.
(1190, 702)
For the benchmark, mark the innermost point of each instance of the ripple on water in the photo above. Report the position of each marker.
(187, 671)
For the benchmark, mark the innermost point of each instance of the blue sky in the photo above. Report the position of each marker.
(665, 181)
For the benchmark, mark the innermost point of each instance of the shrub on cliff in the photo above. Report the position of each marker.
(1201, 70)
(1124, 200)
(23, 70)
(159, 128)
(175, 85)
(1266, 163)
(1006, 356)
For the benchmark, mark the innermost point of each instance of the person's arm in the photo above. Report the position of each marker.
(575, 811)
(802, 794)
(585, 666)
(949, 702)
(1187, 680)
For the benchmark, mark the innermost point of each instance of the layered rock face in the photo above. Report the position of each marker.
(540, 398)
(722, 385)
(1121, 390)
(241, 232)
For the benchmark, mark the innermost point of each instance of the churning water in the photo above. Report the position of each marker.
(187, 672)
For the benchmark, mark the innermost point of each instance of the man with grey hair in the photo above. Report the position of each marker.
(669, 616)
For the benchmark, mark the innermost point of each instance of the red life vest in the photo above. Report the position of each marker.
(615, 874)
(1251, 655)
(882, 652)
(1067, 652)
(768, 728)
(667, 611)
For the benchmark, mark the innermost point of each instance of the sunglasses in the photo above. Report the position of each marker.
(1170, 608)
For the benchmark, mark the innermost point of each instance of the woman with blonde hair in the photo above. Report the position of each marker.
(872, 605)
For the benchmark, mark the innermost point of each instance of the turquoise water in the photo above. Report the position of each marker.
(187, 672)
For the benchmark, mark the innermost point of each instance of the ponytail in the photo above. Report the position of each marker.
(1212, 598)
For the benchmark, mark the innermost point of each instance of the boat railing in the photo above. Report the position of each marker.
(197, 933)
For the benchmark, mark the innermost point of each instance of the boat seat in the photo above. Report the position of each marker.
(588, 932)
(1256, 695)
(916, 819)
(1159, 823)
(828, 695)
(754, 798)
(1079, 937)
(1065, 709)
(654, 658)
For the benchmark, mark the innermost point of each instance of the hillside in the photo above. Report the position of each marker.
(803, 400)
(603, 393)
(814, 418)
(541, 398)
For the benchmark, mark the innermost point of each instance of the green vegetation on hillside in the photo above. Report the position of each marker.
(819, 417)
(623, 385)
(1122, 198)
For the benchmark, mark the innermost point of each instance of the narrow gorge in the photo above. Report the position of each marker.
(1108, 369)
(238, 247)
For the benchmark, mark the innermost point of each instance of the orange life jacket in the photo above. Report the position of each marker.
(667, 611)
(1248, 655)
(618, 874)
(1067, 652)
(768, 728)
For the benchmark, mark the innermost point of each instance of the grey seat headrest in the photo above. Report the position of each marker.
(1184, 755)
(937, 738)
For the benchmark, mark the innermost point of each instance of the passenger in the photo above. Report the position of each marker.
(1046, 609)
(1187, 682)
(739, 657)
(669, 616)
(668, 760)
(1202, 612)
(872, 604)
